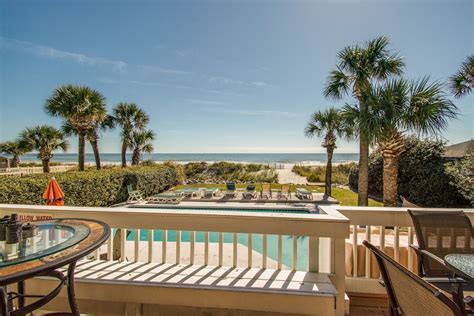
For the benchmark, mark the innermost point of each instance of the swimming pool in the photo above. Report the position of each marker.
(299, 208)
(257, 239)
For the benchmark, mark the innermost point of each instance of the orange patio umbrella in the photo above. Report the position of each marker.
(53, 195)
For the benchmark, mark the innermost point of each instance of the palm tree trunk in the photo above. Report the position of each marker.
(124, 154)
(390, 180)
(82, 150)
(95, 148)
(327, 189)
(363, 181)
(45, 163)
(15, 161)
(136, 157)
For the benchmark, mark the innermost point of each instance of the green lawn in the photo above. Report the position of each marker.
(346, 197)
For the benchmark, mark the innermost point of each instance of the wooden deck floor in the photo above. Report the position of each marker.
(375, 305)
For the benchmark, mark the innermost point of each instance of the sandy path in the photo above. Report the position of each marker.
(288, 176)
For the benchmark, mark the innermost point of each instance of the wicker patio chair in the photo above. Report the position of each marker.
(440, 233)
(408, 294)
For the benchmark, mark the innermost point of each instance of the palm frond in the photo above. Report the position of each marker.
(462, 82)
(337, 85)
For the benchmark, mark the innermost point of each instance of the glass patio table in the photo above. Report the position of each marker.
(461, 264)
(58, 243)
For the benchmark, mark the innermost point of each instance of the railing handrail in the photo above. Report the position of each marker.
(314, 225)
(384, 216)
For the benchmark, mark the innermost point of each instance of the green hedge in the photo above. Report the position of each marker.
(197, 172)
(422, 176)
(340, 173)
(89, 188)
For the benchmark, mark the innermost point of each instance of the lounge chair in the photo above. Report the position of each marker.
(304, 194)
(284, 192)
(165, 198)
(266, 192)
(134, 195)
(189, 192)
(408, 294)
(231, 189)
(210, 192)
(250, 192)
(440, 233)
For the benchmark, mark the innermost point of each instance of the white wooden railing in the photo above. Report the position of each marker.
(32, 170)
(326, 233)
(379, 226)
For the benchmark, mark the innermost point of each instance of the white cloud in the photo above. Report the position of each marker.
(162, 84)
(154, 69)
(266, 113)
(206, 102)
(225, 80)
(53, 53)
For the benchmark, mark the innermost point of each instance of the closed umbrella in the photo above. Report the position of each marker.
(53, 195)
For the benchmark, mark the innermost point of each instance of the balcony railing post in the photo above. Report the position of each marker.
(313, 254)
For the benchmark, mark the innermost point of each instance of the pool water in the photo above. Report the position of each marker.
(295, 210)
(257, 239)
(257, 243)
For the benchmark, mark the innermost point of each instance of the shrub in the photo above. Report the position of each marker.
(422, 178)
(89, 188)
(462, 174)
(340, 173)
(227, 171)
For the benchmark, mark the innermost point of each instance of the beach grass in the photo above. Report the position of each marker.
(345, 196)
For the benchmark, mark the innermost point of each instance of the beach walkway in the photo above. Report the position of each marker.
(288, 176)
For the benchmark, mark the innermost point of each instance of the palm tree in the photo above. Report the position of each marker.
(45, 139)
(129, 117)
(141, 141)
(330, 125)
(358, 67)
(92, 135)
(462, 82)
(16, 149)
(81, 107)
(395, 108)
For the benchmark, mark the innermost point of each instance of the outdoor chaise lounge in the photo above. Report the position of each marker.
(250, 192)
(133, 195)
(266, 192)
(210, 192)
(165, 198)
(304, 194)
(231, 189)
(189, 192)
(284, 192)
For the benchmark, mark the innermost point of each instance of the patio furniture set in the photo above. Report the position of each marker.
(48, 249)
(249, 193)
(445, 267)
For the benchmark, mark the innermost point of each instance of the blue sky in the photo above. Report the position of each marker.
(217, 76)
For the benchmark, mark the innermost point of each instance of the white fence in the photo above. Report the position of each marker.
(326, 233)
(21, 171)
(389, 228)
(334, 238)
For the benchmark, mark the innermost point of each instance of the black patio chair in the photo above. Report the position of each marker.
(440, 233)
(409, 294)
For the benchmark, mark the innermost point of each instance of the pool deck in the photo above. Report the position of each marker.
(185, 254)
(222, 199)
(299, 206)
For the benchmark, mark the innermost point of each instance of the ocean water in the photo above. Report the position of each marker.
(283, 158)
